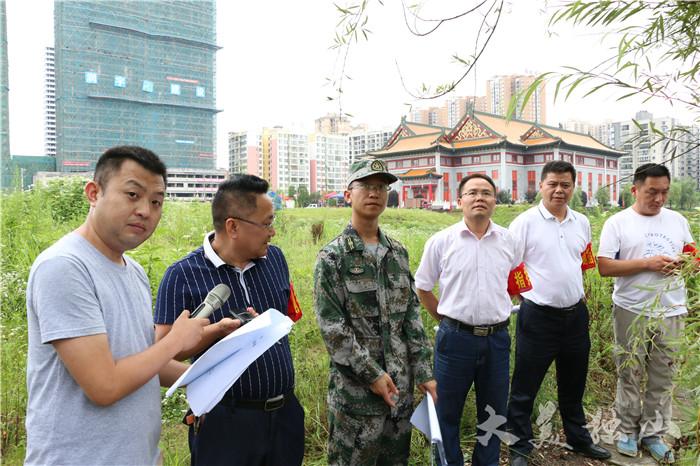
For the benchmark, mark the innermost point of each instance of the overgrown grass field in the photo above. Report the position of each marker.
(32, 221)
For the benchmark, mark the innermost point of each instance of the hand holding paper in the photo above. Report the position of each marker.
(209, 377)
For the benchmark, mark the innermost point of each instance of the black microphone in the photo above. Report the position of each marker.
(214, 300)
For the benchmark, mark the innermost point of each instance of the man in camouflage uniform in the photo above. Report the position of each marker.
(368, 313)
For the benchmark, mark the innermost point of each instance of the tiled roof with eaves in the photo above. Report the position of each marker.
(479, 129)
(419, 173)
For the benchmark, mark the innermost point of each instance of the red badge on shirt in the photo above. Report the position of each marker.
(293, 307)
(587, 258)
(519, 280)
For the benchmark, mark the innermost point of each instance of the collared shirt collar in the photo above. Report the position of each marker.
(214, 257)
(548, 215)
(463, 228)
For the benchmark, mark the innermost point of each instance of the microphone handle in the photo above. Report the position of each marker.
(200, 308)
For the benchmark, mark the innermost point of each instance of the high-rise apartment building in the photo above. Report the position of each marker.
(434, 116)
(287, 157)
(135, 72)
(457, 107)
(333, 124)
(4, 91)
(50, 102)
(638, 138)
(330, 151)
(688, 152)
(639, 141)
(243, 153)
(361, 142)
(603, 132)
(499, 92)
(284, 158)
(501, 89)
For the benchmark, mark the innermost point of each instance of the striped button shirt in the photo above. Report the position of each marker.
(263, 284)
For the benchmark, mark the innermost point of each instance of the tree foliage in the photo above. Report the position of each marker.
(626, 198)
(656, 55)
(602, 196)
(303, 197)
(530, 196)
(683, 194)
(503, 197)
(577, 201)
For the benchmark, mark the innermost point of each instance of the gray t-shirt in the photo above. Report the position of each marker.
(73, 291)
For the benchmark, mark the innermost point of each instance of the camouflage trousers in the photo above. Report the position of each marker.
(356, 440)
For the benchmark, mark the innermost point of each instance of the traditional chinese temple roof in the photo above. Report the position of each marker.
(420, 173)
(478, 129)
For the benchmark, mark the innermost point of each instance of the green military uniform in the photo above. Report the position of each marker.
(368, 313)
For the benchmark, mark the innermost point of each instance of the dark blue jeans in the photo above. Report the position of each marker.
(544, 335)
(463, 359)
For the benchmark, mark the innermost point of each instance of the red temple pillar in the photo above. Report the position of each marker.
(430, 192)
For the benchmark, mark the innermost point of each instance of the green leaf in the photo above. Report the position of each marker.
(627, 95)
(574, 85)
(597, 88)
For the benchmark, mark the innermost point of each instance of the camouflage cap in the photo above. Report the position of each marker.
(364, 168)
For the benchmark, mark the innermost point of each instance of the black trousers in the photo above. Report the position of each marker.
(235, 436)
(544, 335)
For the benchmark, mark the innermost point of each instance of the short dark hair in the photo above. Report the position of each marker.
(236, 197)
(650, 169)
(112, 160)
(471, 177)
(558, 166)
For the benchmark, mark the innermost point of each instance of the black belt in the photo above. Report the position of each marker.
(478, 330)
(271, 404)
(551, 308)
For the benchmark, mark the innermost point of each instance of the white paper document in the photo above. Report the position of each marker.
(210, 376)
(425, 419)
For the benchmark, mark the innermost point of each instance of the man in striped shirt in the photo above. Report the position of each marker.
(259, 421)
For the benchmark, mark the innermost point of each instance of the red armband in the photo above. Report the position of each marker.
(587, 258)
(691, 250)
(518, 280)
(293, 307)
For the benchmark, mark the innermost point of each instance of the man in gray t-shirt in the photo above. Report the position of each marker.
(75, 291)
(92, 366)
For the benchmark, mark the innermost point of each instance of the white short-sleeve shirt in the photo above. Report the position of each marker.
(472, 274)
(630, 235)
(552, 254)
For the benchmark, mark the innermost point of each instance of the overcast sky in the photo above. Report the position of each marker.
(275, 59)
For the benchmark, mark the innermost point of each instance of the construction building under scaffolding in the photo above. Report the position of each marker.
(136, 73)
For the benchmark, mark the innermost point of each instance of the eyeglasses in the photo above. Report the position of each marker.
(377, 188)
(267, 226)
(473, 193)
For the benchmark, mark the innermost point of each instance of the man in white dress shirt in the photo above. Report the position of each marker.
(641, 246)
(471, 261)
(552, 322)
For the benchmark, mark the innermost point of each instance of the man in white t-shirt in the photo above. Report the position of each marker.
(640, 246)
